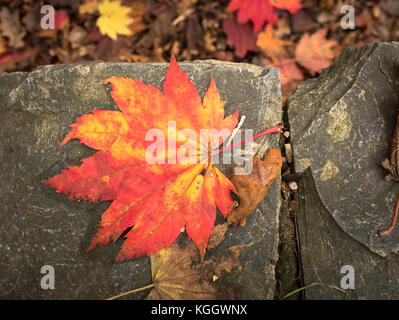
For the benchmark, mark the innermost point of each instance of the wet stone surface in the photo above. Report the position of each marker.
(341, 127)
(40, 227)
(332, 257)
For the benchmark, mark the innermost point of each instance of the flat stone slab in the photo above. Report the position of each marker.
(341, 127)
(326, 250)
(40, 227)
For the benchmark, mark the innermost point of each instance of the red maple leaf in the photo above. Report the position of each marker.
(239, 36)
(257, 11)
(157, 200)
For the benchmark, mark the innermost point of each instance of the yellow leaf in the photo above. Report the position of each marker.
(114, 19)
(270, 45)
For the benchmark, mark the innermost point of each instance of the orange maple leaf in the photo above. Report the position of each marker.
(270, 45)
(293, 6)
(315, 52)
(157, 200)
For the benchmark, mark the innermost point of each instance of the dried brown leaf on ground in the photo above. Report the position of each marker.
(392, 165)
(178, 274)
(138, 11)
(252, 187)
(315, 52)
(10, 27)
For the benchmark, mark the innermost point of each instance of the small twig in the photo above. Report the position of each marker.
(183, 16)
(316, 284)
(277, 129)
(235, 131)
(387, 231)
(131, 291)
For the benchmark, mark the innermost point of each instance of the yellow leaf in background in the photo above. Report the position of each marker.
(88, 7)
(114, 19)
(270, 45)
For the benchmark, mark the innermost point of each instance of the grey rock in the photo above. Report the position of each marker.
(329, 255)
(341, 127)
(40, 227)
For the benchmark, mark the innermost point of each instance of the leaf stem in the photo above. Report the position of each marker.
(131, 291)
(277, 129)
(387, 231)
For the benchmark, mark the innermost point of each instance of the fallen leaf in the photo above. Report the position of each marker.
(273, 47)
(240, 37)
(303, 21)
(8, 60)
(252, 187)
(257, 11)
(315, 52)
(157, 200)
(391, 7)
(61, 20)
(174, 278)
(114, 19)
(289, 71)
(293, 6)
(138, 10)
(77, 36)
(194, 35)
(3, 48)
(11, 28)
(30, 19)
(89, 7)
(178, 274)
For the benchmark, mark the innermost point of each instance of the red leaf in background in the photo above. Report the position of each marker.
(240, 36)
(9, 58)
(315, 52)
(61, 19)
(293, 6)
(289, 71)
(258, 11)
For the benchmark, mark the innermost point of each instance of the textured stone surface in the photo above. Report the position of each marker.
(341, 127)
(40, 227)
(326, 248)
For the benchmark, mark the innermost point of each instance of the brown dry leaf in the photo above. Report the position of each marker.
(194, 35)
(252, 188)
(2, 46)
(315, 52)
(283, 28)
(177, 273)
(139, 9)
(302, 22)
(209, 42)
(89, 7)
(174, 277)
(11, 28)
